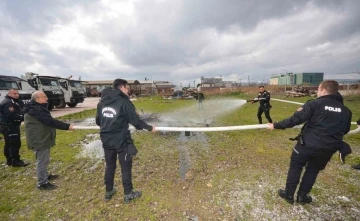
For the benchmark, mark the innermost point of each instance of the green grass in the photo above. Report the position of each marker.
(252, 164)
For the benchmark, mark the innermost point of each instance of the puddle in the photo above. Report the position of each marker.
(185, 142)
(92, 147)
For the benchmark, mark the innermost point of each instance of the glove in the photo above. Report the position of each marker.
(344, 151)
(130, 151)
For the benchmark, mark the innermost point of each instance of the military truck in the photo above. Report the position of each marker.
(73, 92)
(48, 84)
(12, 82)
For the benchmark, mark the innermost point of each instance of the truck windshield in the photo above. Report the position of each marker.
(76, 84)
(49, 82)
(6, 85)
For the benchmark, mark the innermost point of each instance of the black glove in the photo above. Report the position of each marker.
(130, 151)
(344, 150)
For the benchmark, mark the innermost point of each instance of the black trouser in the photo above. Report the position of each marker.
(315, 160)
(266, 110)
(12, 142)
(126, 165)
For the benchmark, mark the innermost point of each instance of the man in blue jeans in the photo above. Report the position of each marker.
(114, 113)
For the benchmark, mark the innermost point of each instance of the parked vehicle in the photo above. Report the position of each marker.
(12, 82)
(73, 92)
(48, 84)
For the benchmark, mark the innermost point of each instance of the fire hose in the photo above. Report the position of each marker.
(211, 129)
(202, 129)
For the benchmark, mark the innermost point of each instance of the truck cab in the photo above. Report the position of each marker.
(48, 84)
(73, 92)
(12, 82)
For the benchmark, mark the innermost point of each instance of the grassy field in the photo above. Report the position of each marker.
(230, 176)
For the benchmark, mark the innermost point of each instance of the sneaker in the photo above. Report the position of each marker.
(285, 196)
(356, 167)
(304, 199)
(131, 196)
(19, 163)
(46, 186)
(52, 177)
(110, 194)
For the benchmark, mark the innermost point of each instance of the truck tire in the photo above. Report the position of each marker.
(50, 106)
(61, 105)
(72, 104)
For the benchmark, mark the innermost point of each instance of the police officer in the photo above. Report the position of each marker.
(10, 118)
(327, 122)
(114, 113)
(264, 98)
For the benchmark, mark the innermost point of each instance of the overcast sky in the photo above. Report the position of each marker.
(178, 40)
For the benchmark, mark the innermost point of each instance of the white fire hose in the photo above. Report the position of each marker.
(190, 129)
(211, 129)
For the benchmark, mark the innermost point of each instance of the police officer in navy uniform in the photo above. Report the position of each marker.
(328, 120)
(264, 98)
(10, 119)
(114, 113)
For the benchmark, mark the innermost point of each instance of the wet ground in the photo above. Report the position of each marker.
(193, 116)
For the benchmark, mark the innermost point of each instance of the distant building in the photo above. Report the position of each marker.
(148, 87)
(101, 85)
(164, 87)
(212, 82)
(297, 79)
(229, 84)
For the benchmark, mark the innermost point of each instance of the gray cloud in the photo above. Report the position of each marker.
(179, 40)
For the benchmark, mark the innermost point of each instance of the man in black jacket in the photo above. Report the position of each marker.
(327, 122)
(40, 129)
(114, 113)
(11, 117)
(264, 98)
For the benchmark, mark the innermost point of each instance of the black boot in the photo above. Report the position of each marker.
(19, 163)
(286, 196)
(356, 167)
(131, 196)
(9, 162)
(303, 199)
(46, 186)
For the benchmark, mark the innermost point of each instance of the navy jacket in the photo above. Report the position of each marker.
(10, 111)
(328, 120)
(114, 113)
(264, 99)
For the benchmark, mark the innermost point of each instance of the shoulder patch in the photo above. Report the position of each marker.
(11, 109)
(299, 109)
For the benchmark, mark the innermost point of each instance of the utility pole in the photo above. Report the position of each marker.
(194, 84)
(285, 78)
(249, 80)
